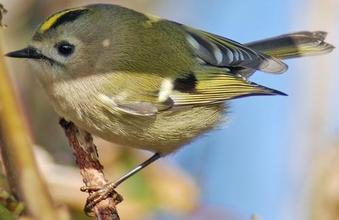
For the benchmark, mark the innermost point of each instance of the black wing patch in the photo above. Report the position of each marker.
(186, 83)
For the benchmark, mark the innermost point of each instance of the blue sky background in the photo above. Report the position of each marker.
(244, 166)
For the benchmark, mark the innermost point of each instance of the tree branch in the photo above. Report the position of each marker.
(86, 157)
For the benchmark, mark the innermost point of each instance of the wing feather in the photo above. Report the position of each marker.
(222, 52)
(215, 86)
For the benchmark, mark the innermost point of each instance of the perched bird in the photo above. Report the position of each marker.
(150, 83)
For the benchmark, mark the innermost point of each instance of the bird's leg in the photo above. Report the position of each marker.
(101, 193)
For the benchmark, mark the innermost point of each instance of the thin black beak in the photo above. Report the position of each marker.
(28, 52)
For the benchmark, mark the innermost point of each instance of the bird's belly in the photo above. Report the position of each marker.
(164, 133)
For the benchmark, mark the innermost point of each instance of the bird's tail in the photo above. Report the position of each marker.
(293, 45)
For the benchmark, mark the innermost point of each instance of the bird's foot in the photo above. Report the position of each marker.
(100, 193)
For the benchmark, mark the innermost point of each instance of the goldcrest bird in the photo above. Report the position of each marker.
(150, 83)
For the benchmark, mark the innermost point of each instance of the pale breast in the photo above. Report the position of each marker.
(165, 132)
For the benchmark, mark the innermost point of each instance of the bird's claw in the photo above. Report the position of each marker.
(99, 194)
(90, 189)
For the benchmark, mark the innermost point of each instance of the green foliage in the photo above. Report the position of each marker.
(5, 214)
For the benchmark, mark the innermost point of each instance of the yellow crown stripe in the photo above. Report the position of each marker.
(54, 18)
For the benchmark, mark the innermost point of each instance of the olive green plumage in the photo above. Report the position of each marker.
(146, 82)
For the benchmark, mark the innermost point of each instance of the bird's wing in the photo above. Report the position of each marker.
(138, 94)
(147, 95)
(214, 85)
(136, 108)
(222, 52)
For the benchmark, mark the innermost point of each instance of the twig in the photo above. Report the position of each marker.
(86, 157)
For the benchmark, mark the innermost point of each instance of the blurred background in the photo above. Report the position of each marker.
(277, 158)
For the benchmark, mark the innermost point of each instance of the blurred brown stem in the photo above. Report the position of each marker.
(86, 157)
(17, 154)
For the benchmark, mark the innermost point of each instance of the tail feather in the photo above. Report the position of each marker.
(293, 45)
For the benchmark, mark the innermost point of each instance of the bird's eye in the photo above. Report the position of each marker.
(64, 48)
